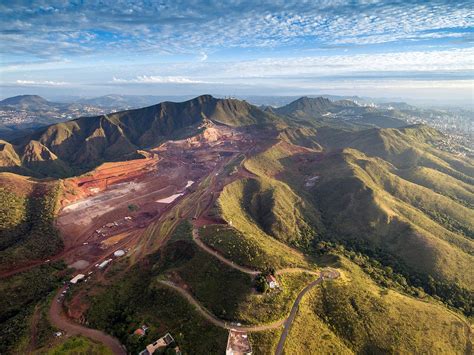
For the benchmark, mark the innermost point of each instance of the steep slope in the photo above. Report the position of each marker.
(8, 155)
(367, 206)
(372, 199)
(84, 143)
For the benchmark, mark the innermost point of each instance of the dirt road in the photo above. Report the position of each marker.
(58, 319)
(327, 274)
(216, 321)
(217, 255)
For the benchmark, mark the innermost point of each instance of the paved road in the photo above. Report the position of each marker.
(326, 274)
(329, 274)
(60, 321)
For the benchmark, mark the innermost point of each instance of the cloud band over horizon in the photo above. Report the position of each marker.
(266, 47)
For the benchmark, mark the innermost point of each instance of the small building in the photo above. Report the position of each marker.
(119, 253)
(104, 263)
(77, 278)
(163, 342)
(272, 281)
(140, 332)
(238, 343)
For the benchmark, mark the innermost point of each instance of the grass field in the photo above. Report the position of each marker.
(27, 229)
(265, 343)
(78, 345)
(234, 246)
(232, 209)
(355, 315)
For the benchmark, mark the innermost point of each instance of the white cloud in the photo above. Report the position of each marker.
(154, 79)
(41, 83)
(203, 57)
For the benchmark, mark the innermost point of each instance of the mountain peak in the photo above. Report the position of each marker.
(24, 100)
(306, 106)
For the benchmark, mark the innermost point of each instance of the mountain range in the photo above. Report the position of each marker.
(312, 185)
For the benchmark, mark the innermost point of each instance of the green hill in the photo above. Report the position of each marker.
(71, 147)
(354, 315)
(343, 113)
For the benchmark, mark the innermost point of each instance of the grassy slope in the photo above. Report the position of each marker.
(20, 293)
(26, 220)
(232, 209)
(227, 292)
(357, 204)
(79, 346)
(355, 315)
(264, 207)
(235, 246)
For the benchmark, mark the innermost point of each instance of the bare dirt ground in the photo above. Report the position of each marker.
(112, 206)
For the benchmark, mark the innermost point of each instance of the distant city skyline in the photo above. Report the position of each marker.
(417, 51)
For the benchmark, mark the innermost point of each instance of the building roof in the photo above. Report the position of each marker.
(77, 278)
(271, 278)
(238, 343)
(139, 332)
(160, 343)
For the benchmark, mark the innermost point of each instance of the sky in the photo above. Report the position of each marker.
(414, 50)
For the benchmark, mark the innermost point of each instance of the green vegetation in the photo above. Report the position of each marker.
(20, 294)
(13, 217)
(354, 315)
(310, 332)
(217, 286)
(231, 168)
(233, 209)
(137, 299)
(274, 304)
(80, 346)
(265, 343)
(133, 208)
(390, 228)
(31, 233)
(235, 246)
(183, 231)
(226, 292)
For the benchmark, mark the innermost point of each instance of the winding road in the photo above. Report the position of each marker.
(59, 320)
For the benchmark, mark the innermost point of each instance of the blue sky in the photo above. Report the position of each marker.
(417, 49)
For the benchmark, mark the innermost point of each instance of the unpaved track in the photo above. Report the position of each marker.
(287, 323)
(217, 255)
(243, 269)
(217, 321)
(60, 321)
(250, 328)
